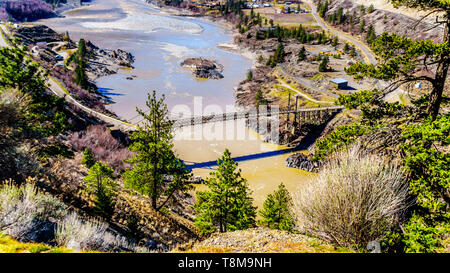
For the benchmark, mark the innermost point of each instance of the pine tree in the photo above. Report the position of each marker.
(323, 66)
(81, 52)
(346, 47)
(227, 203)
(80, 69)
(353, 51)
(370, 36)
(301, 54)
(88, 158)
(260, 59)
(276, 212)
(153, 156)
(279, 54)
(362, 26)
(99, 182)
(250, 75)
(259, 99)
(335, 42)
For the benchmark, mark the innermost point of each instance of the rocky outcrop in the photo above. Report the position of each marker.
(203, 68)
(259, 240)
(104, 62)
(101, 62)
(303, 162)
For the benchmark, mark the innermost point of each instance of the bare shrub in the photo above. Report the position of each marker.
(87, 98)
(24, 209)
(103, 145)
(355, 199)
(92, 234)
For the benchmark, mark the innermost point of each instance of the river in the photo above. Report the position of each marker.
(160, 42)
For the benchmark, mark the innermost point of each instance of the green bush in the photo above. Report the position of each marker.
(88, 158)
(100, 182)
(343, 137)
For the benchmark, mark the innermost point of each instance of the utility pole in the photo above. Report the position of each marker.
(288, 108)
(295, 113)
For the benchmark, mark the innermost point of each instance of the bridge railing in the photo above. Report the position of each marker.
(306, 113)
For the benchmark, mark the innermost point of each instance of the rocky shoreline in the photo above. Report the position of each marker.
(104, 62)
(303, 162)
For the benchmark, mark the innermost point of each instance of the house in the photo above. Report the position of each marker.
(339, 83)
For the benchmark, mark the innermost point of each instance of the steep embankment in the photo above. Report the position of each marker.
(388, 20)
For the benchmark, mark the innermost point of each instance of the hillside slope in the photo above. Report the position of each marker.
(260, 240)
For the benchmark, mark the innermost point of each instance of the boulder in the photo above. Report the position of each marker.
(303, 162)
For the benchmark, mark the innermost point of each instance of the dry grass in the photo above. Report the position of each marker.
(355, 199)
(90, 235)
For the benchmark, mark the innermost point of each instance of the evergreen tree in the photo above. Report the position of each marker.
(99, 181)
(153, 156)
(340, 15)
(46, 113)
(250, 75)
(335, 42)
(370, 36)
(80, 69)
(323, 66)
(81, 52)
(279, 53)
(362, 26)
(346, 48)
(260, 59)
(301, 54)
(80, 74)
(259, 99)
(227, 203)
(353, 51)
(362, 9)
(88, 158)
(276, 212)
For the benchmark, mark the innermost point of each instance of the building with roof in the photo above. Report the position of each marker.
(339, 83)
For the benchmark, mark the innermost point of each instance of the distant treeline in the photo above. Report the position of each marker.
(24, 10)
